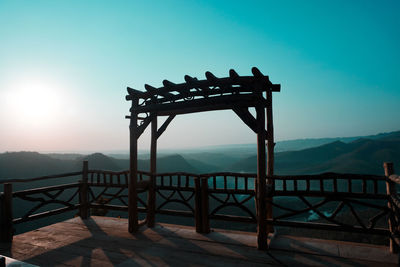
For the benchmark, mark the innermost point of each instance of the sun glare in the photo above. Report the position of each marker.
(34, 102)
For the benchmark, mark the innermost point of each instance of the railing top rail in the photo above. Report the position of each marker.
(54, 176)
(44, 189)
(110, 172)
(330, 175)
(172, 173)
(238, 174)
(203, 174)
(395, 178)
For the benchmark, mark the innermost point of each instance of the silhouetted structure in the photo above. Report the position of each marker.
(354, 203)
(238, 93)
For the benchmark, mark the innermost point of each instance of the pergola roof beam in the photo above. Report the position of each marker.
(212, 81)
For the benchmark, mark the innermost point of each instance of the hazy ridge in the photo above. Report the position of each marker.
(360, 155)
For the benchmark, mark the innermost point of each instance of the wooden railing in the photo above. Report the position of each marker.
(329, 195)
(65, 196)
(371, 201)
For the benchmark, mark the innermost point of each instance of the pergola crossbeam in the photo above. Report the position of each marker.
(202, 104)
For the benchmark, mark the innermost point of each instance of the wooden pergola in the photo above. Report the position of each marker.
(238, 93)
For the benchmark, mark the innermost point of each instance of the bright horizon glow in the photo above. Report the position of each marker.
(65, 66)
(35, 102)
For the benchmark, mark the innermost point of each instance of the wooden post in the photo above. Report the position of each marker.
(151, 196)
(390, 190)
(197, 208)
(261, 185)
(270, 158)
(204, 206)
(83, 192)
(132, 193)
(6, 230)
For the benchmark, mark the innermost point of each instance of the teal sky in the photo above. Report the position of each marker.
(65, 66)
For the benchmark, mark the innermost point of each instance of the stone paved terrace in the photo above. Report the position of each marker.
(104, 241)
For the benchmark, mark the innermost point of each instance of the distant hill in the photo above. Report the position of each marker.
(300, 144)
(33, 164)
(362, 155)
(359, 156)
(100, 161)
(30, 164)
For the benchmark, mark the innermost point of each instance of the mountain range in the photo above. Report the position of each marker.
(359, 156)
(353, 155)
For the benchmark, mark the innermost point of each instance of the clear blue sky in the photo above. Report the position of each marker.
(65, 66)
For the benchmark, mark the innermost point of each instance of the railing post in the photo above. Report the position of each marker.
(390, 190)
(197, 208)
(83, 192)
(6, 217)
(204, 205)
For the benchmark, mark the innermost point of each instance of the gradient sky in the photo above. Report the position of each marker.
(65, 66)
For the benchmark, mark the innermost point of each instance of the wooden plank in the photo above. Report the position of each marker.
(103, 241)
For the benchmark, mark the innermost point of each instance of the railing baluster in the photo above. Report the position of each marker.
(197, 203)
(364, 186)
(204, 206)
(335, 188)
(349, 186)
(236, 182)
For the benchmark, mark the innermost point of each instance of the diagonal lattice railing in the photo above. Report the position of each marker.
(331, 201)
